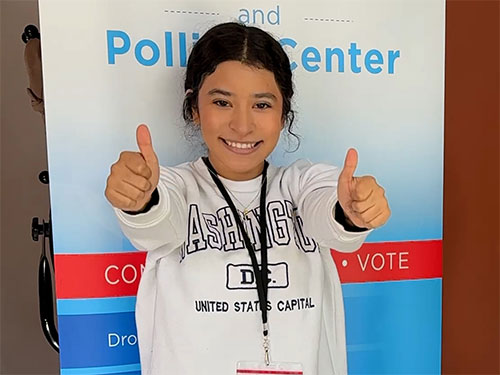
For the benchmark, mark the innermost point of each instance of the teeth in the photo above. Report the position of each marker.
(240, 145)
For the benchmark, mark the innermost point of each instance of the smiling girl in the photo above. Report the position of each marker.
(228, 234)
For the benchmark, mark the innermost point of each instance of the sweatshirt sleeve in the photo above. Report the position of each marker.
(317, 196)
(164, 225)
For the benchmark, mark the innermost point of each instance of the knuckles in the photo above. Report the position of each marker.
(369, 206)
(139, 195)
(146, 186)
(356, 207)
(128, 163)
(143, 169)
(113, 168)
(366, 186)
(107, 192)
(371, 180)
(126, 155)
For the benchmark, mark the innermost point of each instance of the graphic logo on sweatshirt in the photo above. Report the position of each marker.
(219, 231)
(242, 276)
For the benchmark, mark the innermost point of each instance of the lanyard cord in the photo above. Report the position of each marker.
(260, 274)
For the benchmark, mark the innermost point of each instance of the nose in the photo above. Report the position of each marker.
(242, 122)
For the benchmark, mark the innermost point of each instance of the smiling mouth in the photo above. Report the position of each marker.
(241, 145)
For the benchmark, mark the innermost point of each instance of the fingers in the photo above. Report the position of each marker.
(138, 182)
(137, 166)
(372, 217)
(134, 162)
(129, 191)
(129, 185)
(368, 207)
(381, 219)
(363, 188)
(135, 175)
(365, 193)
(360, 207)
(121, 201)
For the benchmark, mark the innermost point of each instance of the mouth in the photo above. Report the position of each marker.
(241, 147)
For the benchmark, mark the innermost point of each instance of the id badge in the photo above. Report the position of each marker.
(274, 368)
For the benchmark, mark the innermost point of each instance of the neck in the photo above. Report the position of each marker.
(235, 175)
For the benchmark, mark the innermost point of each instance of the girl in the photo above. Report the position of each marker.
(238, 266)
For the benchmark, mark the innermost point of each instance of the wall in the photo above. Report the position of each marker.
(471, 224)
(23, 155)
(471, 192)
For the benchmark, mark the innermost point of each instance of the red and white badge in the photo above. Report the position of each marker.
(273, 368)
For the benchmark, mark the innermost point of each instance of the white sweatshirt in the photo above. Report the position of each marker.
(197, 306)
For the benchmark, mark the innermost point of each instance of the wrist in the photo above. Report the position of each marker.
(343, 219)
(153, 201)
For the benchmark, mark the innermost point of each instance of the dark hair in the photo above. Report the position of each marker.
(238, 42)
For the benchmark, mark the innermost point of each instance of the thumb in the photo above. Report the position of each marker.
(350, 164)
(145, 145)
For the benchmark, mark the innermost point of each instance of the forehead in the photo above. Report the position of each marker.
(241, 79)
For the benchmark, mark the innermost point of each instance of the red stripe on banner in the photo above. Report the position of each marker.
(98, 275)
(243, 371)
(388, 261)
(118, 274)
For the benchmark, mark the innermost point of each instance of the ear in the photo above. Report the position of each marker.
(196, 116)
(194, 109)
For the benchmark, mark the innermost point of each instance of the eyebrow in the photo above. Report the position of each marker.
(267, 95)
(259, 95)
(220, 92)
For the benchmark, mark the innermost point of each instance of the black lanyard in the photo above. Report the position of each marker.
(260, 274)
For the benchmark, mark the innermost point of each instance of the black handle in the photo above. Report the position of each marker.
(45, 294)
(46, 299)
(30, 32)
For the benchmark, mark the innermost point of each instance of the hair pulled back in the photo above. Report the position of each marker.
(249, 45)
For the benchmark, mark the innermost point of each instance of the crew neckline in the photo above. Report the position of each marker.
(247, 186)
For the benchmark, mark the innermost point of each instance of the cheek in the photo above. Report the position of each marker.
(208, 121)
(273, 125)
(213, 117)
(212, 124)
(208, 132)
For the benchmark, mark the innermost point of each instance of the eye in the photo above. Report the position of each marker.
(221, 103)
(263, 105)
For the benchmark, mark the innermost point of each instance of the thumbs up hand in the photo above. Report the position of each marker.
(135, 175)
(362, 199)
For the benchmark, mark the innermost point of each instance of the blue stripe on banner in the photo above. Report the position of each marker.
(83, 306)
(98, 340)
(118, 370)
(393, 327)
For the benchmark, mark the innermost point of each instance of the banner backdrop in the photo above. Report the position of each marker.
(368, 74)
